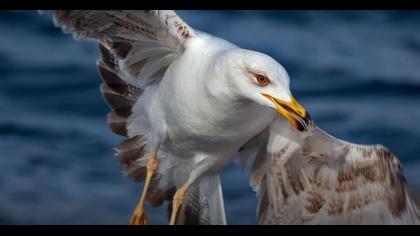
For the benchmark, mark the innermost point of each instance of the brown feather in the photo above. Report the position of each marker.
(121, 49)
(117, 124)
(129, 151)
(113, 81)
(117, 102)
(107, 57)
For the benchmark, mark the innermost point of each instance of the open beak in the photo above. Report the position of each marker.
(292, 111)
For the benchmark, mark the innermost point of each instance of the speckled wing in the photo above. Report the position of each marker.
(314, 178)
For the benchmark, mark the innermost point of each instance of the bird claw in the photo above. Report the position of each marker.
(139, 219)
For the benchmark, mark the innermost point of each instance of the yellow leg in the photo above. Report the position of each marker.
(139, 216)
(177, 202)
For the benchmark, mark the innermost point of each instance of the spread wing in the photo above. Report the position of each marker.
(314, 178)
(137, 47)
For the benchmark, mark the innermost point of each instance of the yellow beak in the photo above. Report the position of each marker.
(292, 111)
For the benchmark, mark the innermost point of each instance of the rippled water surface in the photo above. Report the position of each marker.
(358, 74)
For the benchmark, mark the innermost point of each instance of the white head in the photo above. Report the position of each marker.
(259, 78)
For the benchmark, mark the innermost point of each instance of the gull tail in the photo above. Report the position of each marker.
(203, 204)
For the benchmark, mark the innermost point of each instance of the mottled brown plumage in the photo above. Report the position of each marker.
(324, 180)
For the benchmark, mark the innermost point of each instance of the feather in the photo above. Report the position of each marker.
(203, 204)
(117, 124)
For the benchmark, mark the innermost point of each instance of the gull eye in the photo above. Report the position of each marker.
(262, 79)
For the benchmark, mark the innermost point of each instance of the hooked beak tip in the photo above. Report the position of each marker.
(304, 123)
(298, 117)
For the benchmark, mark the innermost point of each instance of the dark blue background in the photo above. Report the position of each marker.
(358, 74)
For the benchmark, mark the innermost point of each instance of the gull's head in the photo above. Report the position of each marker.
(261, 79)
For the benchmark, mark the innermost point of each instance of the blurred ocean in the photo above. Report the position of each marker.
(356, 72)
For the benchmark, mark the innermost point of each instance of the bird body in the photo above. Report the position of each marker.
(197, 121)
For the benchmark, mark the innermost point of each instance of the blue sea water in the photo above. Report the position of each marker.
(356, 72)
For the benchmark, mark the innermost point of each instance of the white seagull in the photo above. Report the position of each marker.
(188, 102)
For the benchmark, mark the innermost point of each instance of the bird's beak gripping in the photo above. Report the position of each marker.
(292, 111)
